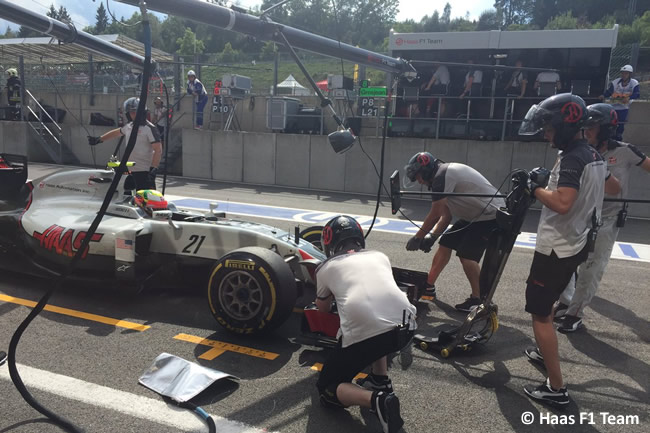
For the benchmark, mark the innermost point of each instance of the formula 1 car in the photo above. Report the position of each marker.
(252, 271)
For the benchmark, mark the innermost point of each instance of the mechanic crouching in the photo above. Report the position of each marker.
(376, 320)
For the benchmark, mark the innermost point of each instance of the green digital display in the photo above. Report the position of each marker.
(373, 92)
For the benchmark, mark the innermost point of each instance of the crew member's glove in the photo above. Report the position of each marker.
(152, 175)
(428, 241)
(538, 178)
(93, 141)
(413, 244)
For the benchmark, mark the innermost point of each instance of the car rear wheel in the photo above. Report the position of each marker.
(251, 290)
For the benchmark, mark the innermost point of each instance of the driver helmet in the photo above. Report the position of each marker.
(422, 163)
(565, 112)
(605, 116)
(338, 229)
(150, 200)
(627, 68)
(12, 72)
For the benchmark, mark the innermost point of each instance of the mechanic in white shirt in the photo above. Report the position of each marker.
(147, 151)
(621, 158)
(372, 309)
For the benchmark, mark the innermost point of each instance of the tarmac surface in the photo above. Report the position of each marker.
(88, 371)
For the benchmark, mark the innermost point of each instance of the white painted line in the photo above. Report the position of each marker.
(154, 410)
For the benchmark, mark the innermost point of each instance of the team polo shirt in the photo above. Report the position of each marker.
(581, 167)
(455, 177)
(620, 158)
(367, 298)
(142, 153)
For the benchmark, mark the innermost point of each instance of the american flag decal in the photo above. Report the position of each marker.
(125, 244)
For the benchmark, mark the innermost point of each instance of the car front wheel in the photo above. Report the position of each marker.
(251, 290)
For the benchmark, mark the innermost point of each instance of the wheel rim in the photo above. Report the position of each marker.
(240, 295)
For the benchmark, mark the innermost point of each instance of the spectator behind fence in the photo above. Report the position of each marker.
(544, 81)
(196, 88)
(473, 81)
(13, 93)
(437, 85)
(621, 91)
(518, 81)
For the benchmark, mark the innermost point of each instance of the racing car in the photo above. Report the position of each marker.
(252, 272)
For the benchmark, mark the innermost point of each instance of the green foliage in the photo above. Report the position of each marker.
(268, 51)
(189, 45)
(9, 34)
(562, 21)
(513, 12)
(488, 20)
(101, 20)
(228, 55)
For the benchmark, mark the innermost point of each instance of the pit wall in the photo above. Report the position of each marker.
(308, 161)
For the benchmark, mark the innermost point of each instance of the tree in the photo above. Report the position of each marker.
(562, 21)
(228, 55)
(488, 20)
(189, 45)
(52, 13)
(268, 51)
(171, 30)
(446, 15)
(62, 15)
(513, 11)
(9, 34)
(101, 20)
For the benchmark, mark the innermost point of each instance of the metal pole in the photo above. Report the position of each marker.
(275, 70)
(66, 33)
(177, 79)
(21, 74)
(91, 78)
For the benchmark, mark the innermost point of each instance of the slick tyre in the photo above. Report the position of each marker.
(313, 236)
(251, 290)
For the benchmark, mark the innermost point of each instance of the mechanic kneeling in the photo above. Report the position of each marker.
(376, 319)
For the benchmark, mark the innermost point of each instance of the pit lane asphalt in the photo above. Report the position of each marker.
(605, 364)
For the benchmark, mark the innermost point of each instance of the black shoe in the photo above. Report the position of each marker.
(429, 290)
(546, 394)
(387, 406)
(569, 324)
(535, 355)
(375, 383)
(560, 310)
(469, 304)
(3, 357)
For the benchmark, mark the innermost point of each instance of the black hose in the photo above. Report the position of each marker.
(13, 345)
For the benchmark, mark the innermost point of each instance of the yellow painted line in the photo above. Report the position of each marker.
(318, 367)
(219, 347)
(79, 314)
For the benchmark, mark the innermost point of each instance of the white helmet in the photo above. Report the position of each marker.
(627, 68)
(191, 73)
